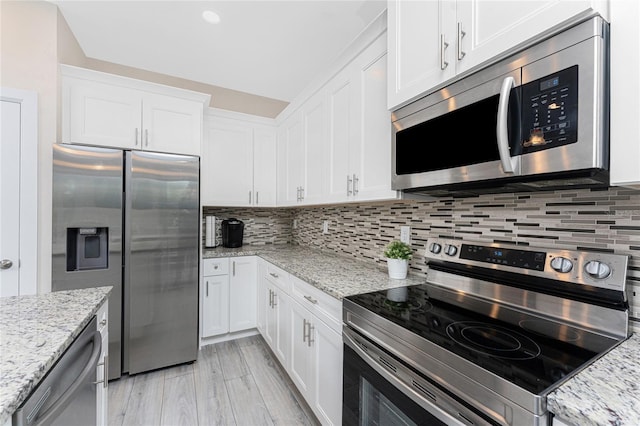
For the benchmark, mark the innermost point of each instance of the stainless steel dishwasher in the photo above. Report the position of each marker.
(67, 394)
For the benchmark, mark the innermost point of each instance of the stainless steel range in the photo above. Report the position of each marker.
(491, 333)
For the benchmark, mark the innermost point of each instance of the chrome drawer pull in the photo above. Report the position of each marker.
(311, 299)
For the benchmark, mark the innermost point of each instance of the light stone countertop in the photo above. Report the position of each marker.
(34, 332)
(605, 393)
(336, 275)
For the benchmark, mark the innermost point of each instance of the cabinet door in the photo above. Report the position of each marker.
(342, 129)
(421, 44)
(227, 163)
(301, 362)
(290, 160)
(492, 27)
(370, 151)
(101, 114)
(277, 329)
(242, 293)
(315, 149)
(171, 124)
(264, 167)
(215, 305)
(327, 392)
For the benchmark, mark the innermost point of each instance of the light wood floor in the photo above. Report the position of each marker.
(232, 383)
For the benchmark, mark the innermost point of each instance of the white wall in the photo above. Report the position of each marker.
(28, 61)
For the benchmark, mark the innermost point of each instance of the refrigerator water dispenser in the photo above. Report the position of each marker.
(87, 248)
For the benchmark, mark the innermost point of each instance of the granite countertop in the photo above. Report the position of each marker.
(335, 274)
(34, 332)
(605, 393)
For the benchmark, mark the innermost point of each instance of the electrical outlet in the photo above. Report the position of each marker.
(634, 301)
(405, 234)
(295, 223)
(325, 227)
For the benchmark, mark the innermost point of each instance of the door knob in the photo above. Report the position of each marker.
(5, 264)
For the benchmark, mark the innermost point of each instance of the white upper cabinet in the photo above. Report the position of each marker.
(315, 150)
(106, 110)
(360, 129)
(432, 42)
(625, 93)
(238, 161)
(336, 144)
(290, 164)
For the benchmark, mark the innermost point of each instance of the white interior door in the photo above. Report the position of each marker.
(10, 199)
(18, 196)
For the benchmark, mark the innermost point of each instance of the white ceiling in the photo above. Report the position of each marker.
(266, 48)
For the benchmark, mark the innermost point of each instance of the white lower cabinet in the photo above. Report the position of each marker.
(275, 303)
(102, 373)
(228, 295)
(242, 293)
(301, 325)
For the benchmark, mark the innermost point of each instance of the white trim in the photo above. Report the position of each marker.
(28, 101)
(68, 71)
(210, 114)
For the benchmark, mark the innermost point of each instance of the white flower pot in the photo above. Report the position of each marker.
(397, 268)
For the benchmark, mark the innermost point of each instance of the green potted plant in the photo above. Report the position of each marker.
(398, 255)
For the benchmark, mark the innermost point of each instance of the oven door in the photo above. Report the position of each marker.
(378, 389)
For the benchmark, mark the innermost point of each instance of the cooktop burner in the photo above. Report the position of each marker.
(493, 340)
(519, 352)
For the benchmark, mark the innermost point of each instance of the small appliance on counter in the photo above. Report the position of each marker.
(232, 232)
(210, 232)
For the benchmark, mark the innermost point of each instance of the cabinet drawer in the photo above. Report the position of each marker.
(327, 308)
(215, 266)
(277, 276)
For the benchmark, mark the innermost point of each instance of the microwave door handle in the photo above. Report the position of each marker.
(502, 131)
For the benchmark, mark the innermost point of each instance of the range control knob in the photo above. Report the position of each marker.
(561, 264)
(597, 269)
(435, 248)
(450, 250)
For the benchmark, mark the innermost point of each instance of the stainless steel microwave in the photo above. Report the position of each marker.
(537, 119)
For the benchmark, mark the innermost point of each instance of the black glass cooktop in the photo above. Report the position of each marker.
(521, 352)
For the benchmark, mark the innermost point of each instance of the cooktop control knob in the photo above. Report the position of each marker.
(435, 248)
(450, 250)
(561, 264)
(597, 269)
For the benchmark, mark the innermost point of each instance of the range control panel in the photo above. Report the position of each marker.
(605, 270)
(550, 111)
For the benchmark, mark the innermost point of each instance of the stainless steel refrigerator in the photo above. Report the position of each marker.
(130, 219)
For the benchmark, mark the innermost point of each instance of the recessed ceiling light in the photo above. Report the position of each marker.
(211, 17)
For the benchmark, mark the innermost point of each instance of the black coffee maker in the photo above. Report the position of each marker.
(232, 232)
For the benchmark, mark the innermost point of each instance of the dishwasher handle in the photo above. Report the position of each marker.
(66, 398)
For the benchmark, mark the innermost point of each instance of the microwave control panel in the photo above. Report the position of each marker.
(550, 111)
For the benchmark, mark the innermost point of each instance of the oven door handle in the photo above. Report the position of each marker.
(433, 409)
(509, 164)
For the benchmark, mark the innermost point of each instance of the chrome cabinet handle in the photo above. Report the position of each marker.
(349, 191)
(461, 34)
(257, 194)
(146, 137)
(273, 275)
(502, 130)
(301, 193)
(311, 299)
(249, 197)
(355, 184)
(443, 46)
(270, 298)
(234, 268)
(103, 322)
(105, 372)
(137, 136)
(5, 264)
(274, 302)
(207, 290)
(304, 330)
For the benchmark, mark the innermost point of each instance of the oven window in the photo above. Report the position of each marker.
(369, 399)
(377, 409)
